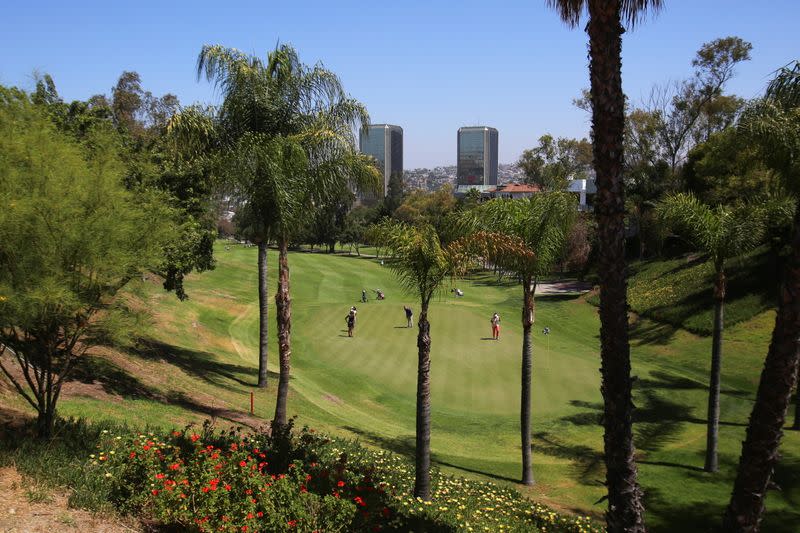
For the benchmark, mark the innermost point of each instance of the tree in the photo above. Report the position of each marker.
(524, 238)
(71, 237)
(287, 133)
(421, 263)
(774, 124)
(434, 208)
(625, 508)
(555, 161)
(691, 110)
(725, 167)
(722, 232)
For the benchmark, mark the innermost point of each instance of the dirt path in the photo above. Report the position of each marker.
(27, 508)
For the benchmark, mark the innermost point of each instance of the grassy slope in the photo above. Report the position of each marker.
(201, 358)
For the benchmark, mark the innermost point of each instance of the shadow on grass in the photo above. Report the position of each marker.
(553, 298)
(405, 445)
(705, 516)
(116, 381)
(202, 365)
(587, 463)
(659, 419)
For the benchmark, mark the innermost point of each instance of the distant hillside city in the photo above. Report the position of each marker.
(431, 179)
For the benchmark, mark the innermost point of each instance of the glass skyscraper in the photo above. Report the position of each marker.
(476, 158)
(384, 142)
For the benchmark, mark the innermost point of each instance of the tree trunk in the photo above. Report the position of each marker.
(764, 432)
(796, 425)
(712, 432)
(527, 371)
(422, 480)
(283, 303)
(263, 308)
(625, 509)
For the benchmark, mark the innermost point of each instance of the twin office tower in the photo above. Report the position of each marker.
(476, 154)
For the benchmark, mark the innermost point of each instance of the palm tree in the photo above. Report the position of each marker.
(774, 124)
(721, 232)
(308, 109)
(421, 264)
(524, 237)
(625, 508)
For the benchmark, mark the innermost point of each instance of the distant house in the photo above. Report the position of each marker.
(511, 191)
(585, 190)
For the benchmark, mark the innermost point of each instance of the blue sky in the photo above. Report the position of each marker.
(430, 67)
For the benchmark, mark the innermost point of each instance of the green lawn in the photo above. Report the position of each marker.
(200, 361)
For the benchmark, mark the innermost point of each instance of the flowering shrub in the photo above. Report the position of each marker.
(207, 481)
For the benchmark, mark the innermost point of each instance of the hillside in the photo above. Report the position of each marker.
(197, 359)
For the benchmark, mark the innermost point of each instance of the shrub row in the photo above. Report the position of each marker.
(298, 481)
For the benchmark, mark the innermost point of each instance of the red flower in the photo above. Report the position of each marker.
(183, 495)
(259, 514)
(174, 466)
(155, 492)
(206, 489)
(145, 447)
(132, 455)
(242, 463)
(227, 487)
(244, 528)
(234, 447)
(176, 433)
(340, 484)
(159, 476)
(291, 523)
(303, 488)
(308, 477)
(248, 491)
(214, 481)
(250, 516)
(195, 437)
(359, 501)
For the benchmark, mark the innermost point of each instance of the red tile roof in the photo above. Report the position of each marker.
(517, 188)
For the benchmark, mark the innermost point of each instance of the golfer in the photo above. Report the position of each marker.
(496, 327)
(351, 324)
(409, 316)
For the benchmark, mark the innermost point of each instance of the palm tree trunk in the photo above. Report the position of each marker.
(625, 508)
(263, 307)
(284, 319)
(422, 480)
(527, 371)
(764, 432)
(796, 425)
(712, 432)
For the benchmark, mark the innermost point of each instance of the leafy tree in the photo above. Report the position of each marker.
(395, 194)
(774, 124)
(721, 232)
(693, 109)
(554, 161)
(434, 208)
(524, 237)
(727, 167)
(71, 236)
(625, 508)
(421, 263)
(356, 224)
